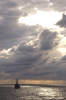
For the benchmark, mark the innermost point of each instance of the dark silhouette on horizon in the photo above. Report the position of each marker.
(17, 86)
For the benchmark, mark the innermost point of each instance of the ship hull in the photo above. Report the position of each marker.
(17, 86)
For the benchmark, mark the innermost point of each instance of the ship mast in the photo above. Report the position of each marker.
(16, 81)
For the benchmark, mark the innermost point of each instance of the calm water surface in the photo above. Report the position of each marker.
(28, 92)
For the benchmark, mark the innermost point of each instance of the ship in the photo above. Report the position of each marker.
(17, 86)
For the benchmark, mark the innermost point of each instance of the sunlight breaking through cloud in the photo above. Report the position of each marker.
(46, 19)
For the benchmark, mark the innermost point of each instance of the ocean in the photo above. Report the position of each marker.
(32, 92)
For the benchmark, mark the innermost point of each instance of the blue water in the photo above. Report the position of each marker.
(28, 92)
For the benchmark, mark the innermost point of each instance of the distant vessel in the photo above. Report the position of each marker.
(17, 86)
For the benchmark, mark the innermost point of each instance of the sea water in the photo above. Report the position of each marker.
(30, 92)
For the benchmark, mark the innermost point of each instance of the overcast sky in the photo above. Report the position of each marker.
(33, 39)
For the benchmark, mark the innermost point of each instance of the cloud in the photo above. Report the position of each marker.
(28, 60)
(62, 22)
(47, 39)
(10, 4)
(64, 58)
(11, 32)
(58, 5)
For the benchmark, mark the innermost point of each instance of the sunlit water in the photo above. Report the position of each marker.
(28, 92)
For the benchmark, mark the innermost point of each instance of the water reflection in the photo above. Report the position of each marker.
(32, 93)
(5, 85)
(50, 93)
(25, 86)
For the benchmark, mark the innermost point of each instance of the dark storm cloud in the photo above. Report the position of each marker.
(62, 22)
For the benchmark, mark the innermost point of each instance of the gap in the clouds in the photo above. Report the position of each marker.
(44, 18)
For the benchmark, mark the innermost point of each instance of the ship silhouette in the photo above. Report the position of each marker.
(17, 86)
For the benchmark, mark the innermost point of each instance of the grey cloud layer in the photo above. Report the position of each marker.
(32, 62)
(31, 55)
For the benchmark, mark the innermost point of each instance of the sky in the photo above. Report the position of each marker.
(33, 41)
